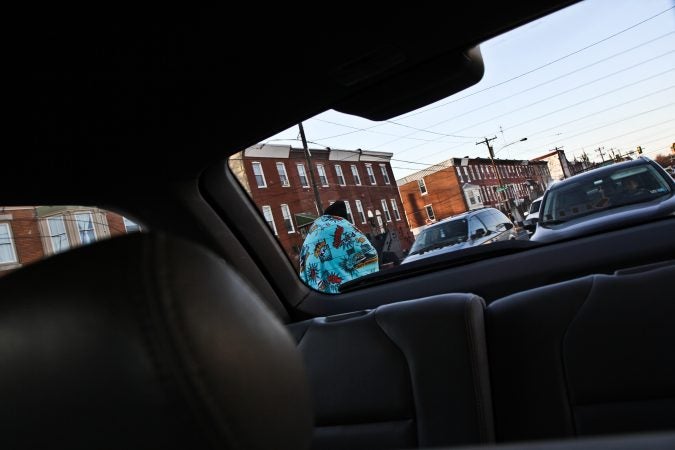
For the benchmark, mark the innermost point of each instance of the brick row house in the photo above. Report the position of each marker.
(458, 185)
(31, 233)
(278, 180)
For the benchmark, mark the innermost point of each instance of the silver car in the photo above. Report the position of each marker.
(478, 227)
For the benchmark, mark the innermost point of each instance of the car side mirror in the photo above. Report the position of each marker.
(530, 227)
(508, 225)
(526, 213)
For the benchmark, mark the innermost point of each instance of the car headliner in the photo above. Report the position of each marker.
(140, 99)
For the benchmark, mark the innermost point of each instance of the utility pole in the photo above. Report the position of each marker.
(602, 154)
(486, 141)
(317, 197)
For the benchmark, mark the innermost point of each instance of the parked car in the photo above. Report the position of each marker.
(478, 227)
(530, 222)
(607, 198)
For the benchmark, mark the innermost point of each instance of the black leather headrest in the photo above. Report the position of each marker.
(145, 341)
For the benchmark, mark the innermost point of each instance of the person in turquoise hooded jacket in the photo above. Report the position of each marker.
(335, 251)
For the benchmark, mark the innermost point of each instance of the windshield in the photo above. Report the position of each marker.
(609, 190)
(546, 110)
(447, 233)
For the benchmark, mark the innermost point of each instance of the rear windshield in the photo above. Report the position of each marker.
(443, 233)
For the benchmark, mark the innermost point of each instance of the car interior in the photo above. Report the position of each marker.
(198, 333)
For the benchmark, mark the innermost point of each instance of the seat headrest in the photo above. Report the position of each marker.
(145, 341)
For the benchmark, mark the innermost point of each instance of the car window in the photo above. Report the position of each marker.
(31, 233)
(546, 111)
(445, 232)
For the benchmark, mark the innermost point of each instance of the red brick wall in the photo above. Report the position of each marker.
(443, 193)
(115, 224)
(28, 243)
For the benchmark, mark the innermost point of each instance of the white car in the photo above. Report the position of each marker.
(530, 222)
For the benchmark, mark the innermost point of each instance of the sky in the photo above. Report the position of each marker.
(597, 75)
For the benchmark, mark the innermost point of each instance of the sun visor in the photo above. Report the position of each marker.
(381, 97)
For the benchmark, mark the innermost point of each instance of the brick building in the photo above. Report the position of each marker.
(460, 184)
(31, 233)
(278, 180)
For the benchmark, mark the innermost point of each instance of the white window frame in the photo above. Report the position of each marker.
(302, 173)
(421, 184)
(269, 218)
(371, 174)
(130, 224)
(394, 208)
(255, 164)
(349, 212)
(359, 209)
(52, 235)
(77, 218)
(355, 174)
(427, 208)
(283, 175)
(385, 174)
(323, 178)
(340, 175)
(10, 243)
(286, 214)
(385, 209)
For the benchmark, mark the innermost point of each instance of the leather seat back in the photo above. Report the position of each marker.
(589, 356)
(145, 341)
(409, 374)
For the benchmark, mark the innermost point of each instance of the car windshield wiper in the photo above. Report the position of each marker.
(553, 222)
(436, 245)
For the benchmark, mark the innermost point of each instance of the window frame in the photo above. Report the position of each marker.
(77, 226)
(273, 226)
(340, 175)
(11, 244)
(433, 213)
(320, 168)
(385, 210)
(350, 216)
(385, 174)
(282, 167)
(262, 174)
(356, 175)
(52, 235)
(284, 211)
(371, 174)
(422, 184)
(302, 175)
(360, 210)
(394, 207)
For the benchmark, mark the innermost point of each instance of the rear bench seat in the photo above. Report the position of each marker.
(589, 356)
(409, 374)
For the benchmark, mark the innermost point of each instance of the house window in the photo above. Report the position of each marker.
(472, 200)
(459, 174)
(340, 175)
(385, 175)
(303, 175)
(394, 208)
(349, 212)
(130, 226)
(288, 222)
(259, 175)
(423, 186)
(57, 234)
(466, 174)
(371, 174)
(359, 209)
(430, 212)
(7, 251)
(85, 228)
(387, 216)
(269, 218)
(355, 174)
(322, 175)
(283, 176)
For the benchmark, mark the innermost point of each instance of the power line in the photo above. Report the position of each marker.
(540, 67)
(368, 130)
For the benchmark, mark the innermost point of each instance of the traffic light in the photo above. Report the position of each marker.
(639, 150)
